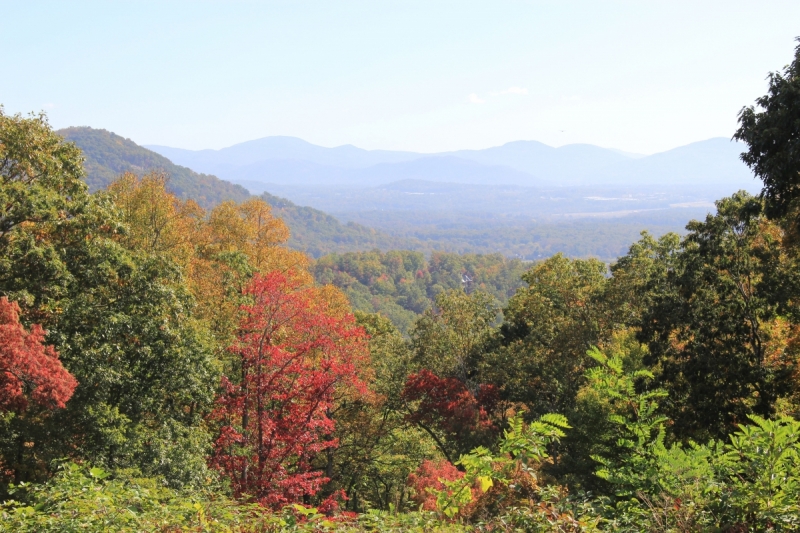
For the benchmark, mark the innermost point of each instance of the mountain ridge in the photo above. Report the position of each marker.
(108, 155)
(711, 163)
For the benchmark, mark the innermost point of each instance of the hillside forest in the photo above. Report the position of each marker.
(168, 363)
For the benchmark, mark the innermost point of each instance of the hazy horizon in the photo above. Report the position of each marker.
(417, 76)
(618, 150)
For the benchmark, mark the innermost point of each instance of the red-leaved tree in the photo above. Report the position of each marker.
(446, 409)
(296, 357)
(29, 370)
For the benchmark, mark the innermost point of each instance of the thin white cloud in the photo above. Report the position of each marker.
(475, 99)
(511, 90)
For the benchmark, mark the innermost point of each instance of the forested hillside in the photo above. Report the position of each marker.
(108, 155)
(169, 368)
(402, 284)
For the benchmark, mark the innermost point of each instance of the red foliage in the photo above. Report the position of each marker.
(430, 475)
(29, 370)
(488, 397)
(446, 403)
(295, 356)
(330, 505)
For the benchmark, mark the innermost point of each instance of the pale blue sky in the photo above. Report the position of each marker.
(428, 76)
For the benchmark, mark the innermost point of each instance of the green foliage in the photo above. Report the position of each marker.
(641, 430)
(403, 284)
(41, 174)
(508, 485)
(762, 467)
(377, 448)
(108, 155)
(547, 329)
(640, 278)
(392, 358)
(89, 500)
(714, 319)
(121, 319)
(124, 329)
(450, 339)
(752, 482)
(771, 135)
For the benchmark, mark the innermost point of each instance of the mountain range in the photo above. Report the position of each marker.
(712, 164)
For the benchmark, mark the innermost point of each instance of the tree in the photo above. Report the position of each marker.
(157, 221)
(121, 320)
(429, 477)
(377, 448)
(719, 328)
(402, 284)
(29, 370)
(640, 279)
(548, 328)
(40, 174)
(296, 357)
(445, 396)
(773, 135)
(218, 251)
(451, 338)
(455, 418)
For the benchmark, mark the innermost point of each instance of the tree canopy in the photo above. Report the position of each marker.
(772, 133)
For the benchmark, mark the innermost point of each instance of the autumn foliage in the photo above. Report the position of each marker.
(429, 475)
(296, 357)
(216, 249)
(446, 405)
(29, 370)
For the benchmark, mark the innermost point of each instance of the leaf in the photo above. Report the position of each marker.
(555, 419)
(98, 473)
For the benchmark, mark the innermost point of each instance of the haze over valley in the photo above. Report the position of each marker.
(464, 200)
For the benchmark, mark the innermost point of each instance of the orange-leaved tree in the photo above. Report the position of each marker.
(218, 251)
(296, 357)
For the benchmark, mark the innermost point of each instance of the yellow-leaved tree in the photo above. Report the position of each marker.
(218, 251)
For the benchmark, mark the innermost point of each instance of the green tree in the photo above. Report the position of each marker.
(378, 448)
(548, 327)
(41, 174)
(640, 279)
(771, 133)
(716, 328)
(121, 320)
(451, 339)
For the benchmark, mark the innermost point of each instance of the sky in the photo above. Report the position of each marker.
(424, 76)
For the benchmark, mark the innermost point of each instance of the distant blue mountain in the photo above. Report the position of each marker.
(282, 148)
(570, 161)
(714, 162)
(711, 164)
